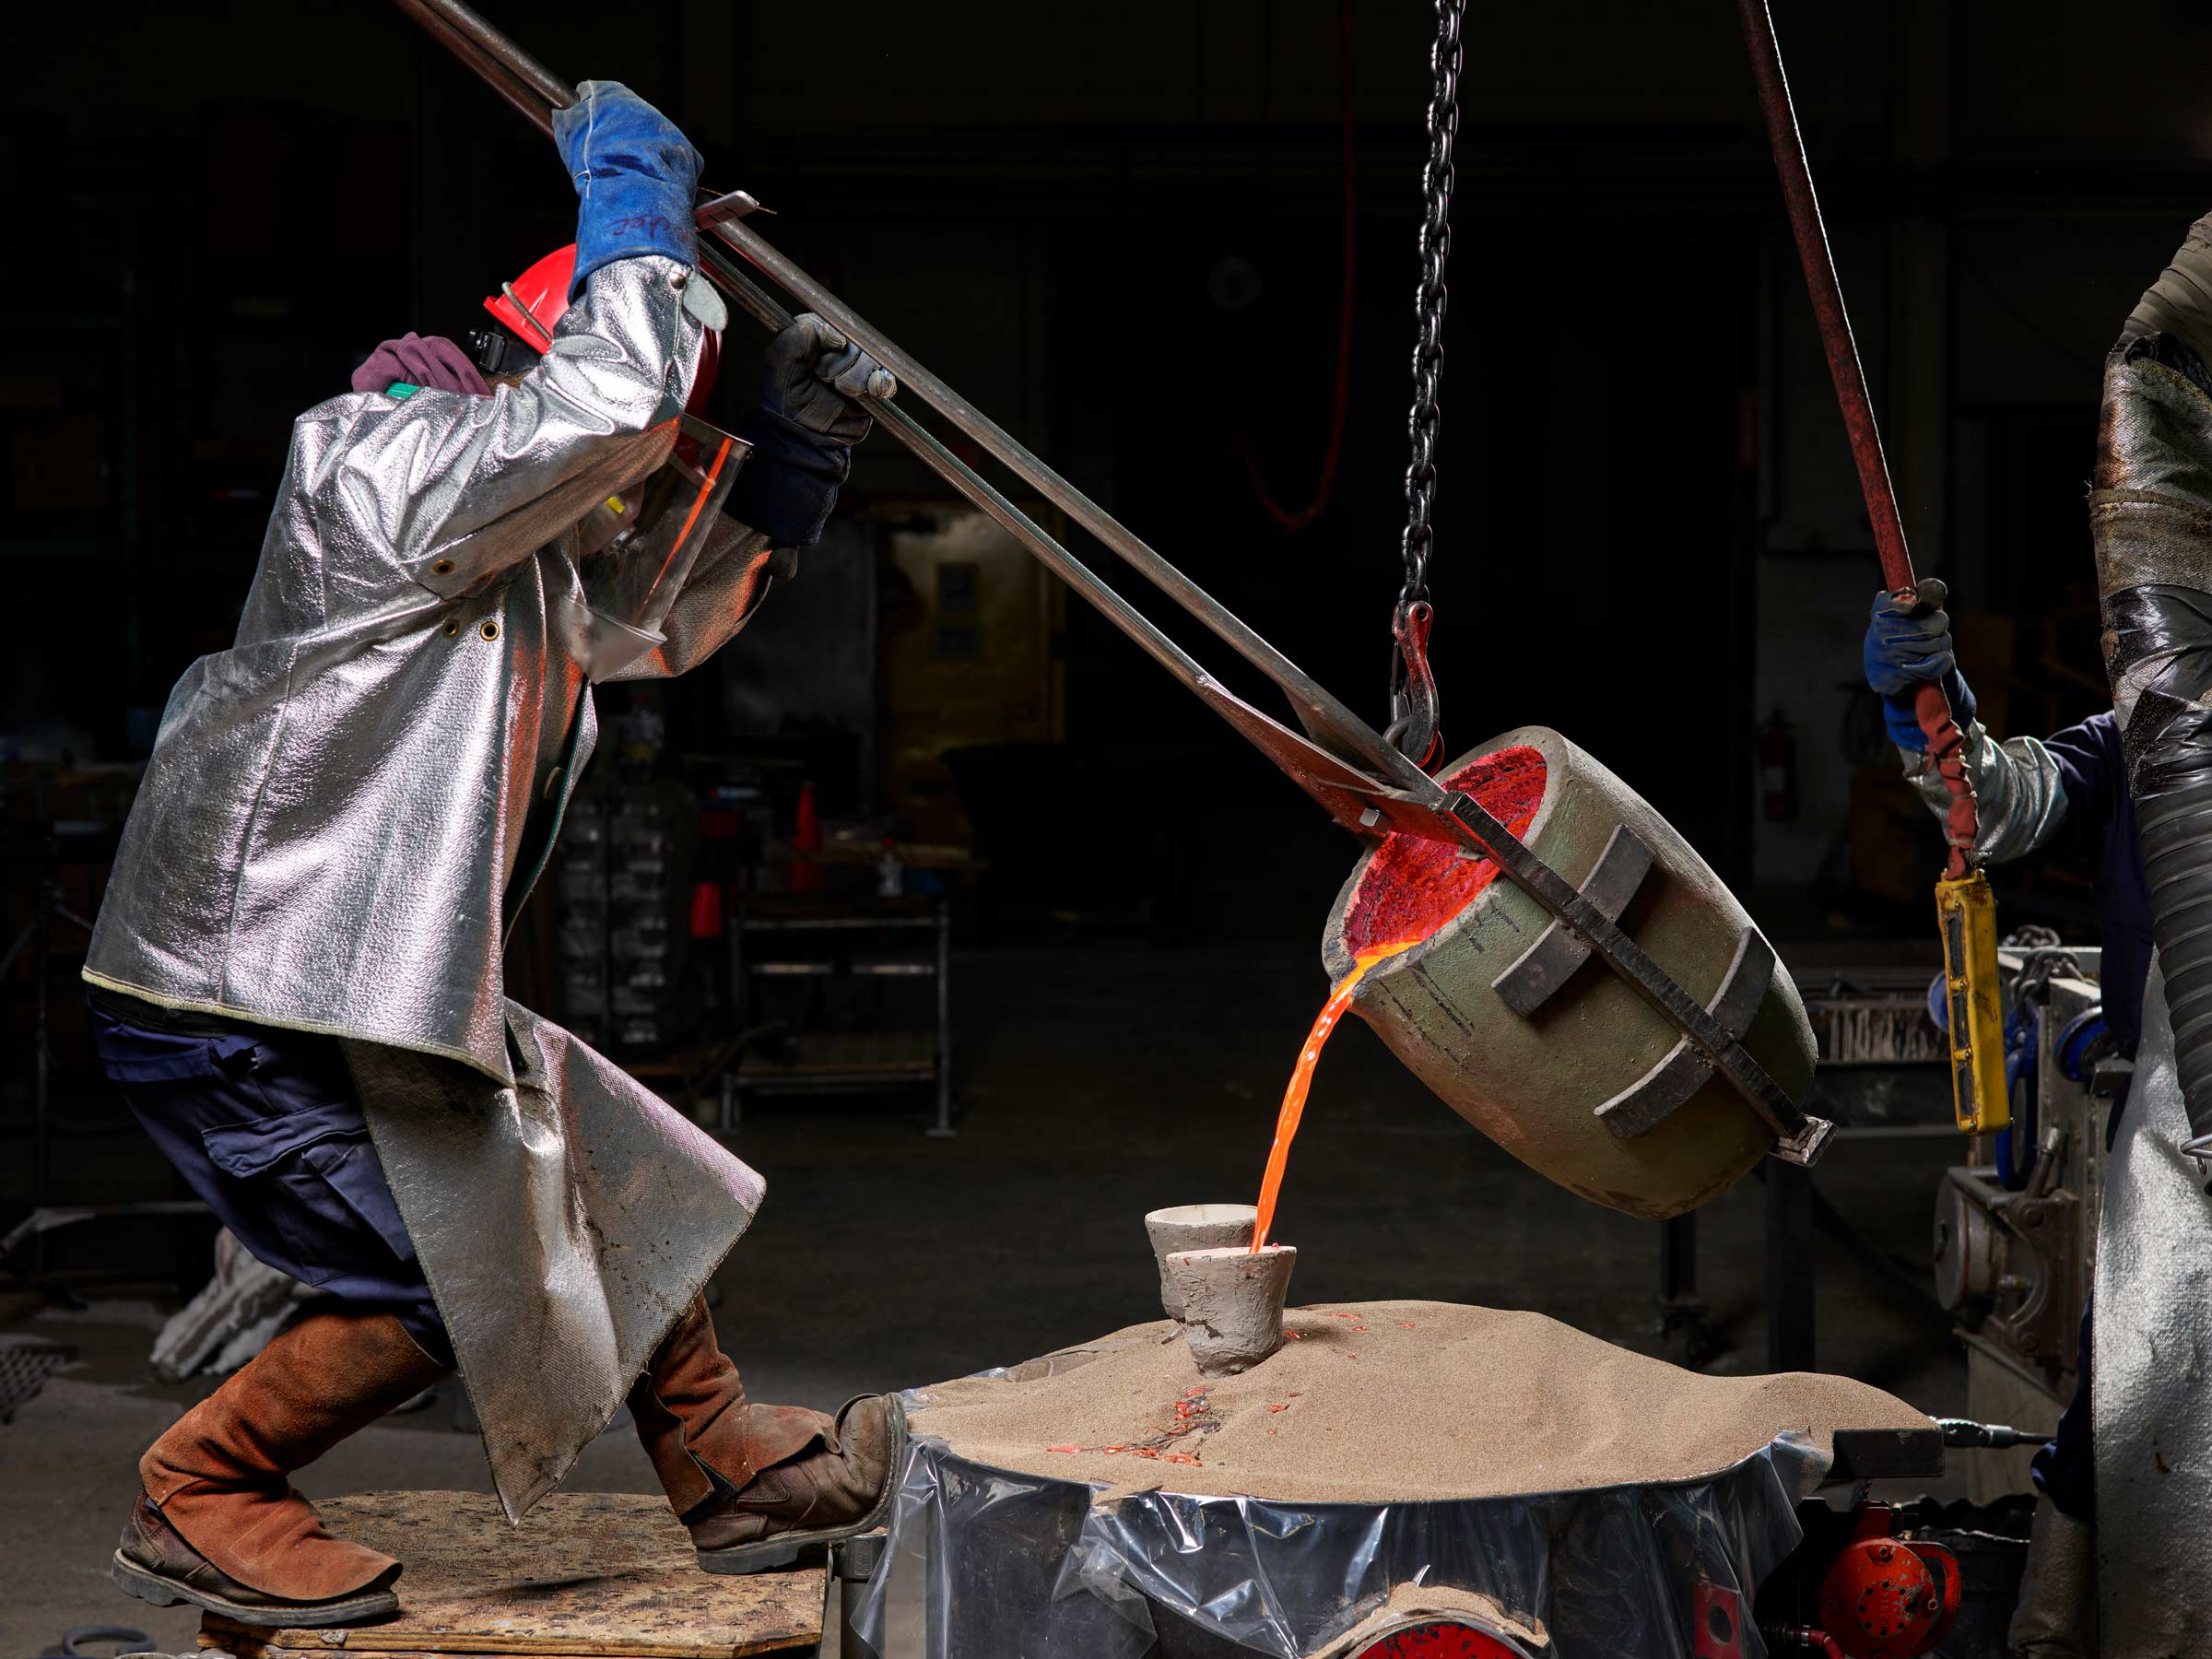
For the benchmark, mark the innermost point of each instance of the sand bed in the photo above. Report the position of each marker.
(1375, 1402)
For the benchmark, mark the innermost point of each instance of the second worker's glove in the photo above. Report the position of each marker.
(809, 417)
(635, 178)
(1909, 646)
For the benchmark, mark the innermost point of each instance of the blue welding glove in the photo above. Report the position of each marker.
(635, 176)
(810, 416)
(1907, 647)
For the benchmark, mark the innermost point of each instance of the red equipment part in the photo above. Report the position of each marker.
(1439, 1639)
(1946, 742)
(806, 874)
(1885, 1597)
(706, 909)
(533, 304)
(1716, 1630)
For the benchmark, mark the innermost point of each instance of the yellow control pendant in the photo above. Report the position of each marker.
(1966, 912)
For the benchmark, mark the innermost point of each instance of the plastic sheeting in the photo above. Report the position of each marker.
(1006, 1564)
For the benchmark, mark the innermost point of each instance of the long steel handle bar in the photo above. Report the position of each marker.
(515, 75)
(531, 89)
(1810, 233)
(524, 86)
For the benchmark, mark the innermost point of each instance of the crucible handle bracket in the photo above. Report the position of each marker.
(1647, 1102)
(1545, 966)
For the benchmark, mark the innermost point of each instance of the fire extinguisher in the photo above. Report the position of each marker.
(807, 876)
(1778, 769)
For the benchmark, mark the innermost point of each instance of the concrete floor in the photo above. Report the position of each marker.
(1096, 1084)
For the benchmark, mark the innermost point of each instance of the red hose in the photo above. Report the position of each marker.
(1340, 398)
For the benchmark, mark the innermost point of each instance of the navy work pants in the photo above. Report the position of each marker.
(2064, 1470)
(266, 1127)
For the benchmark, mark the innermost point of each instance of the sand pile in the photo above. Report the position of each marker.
(1369, 1401)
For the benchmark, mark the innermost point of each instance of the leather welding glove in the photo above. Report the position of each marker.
(809, 417)
(635, 178)
(816, 378)
(1907, 647)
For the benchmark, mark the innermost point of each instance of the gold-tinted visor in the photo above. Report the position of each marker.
(637, 549)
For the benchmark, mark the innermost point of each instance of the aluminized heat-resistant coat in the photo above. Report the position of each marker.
(564, 1224)
(2152, 1402)
(336, 804)
(2019, 801)
(344, 811)
(2151, 516)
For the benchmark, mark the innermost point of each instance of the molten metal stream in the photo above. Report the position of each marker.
(1302, 1081)
(1411, 888)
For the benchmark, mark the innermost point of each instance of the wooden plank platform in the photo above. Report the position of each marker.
(608, 1575)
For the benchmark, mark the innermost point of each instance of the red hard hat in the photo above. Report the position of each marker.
(533, 304)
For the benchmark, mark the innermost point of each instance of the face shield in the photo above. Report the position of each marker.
(636, 548)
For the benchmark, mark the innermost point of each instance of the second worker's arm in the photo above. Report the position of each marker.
(2019, 786)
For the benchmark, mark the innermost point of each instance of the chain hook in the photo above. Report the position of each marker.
(1413, 730)
(1413, 705)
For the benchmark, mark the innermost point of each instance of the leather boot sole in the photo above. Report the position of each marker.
(787, 1549)
(134, 1579)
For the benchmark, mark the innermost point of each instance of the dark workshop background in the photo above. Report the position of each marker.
(1118, 228)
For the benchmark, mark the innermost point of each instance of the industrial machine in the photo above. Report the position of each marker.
(2016, 1238)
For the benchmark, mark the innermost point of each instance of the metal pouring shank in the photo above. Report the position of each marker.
(1931, 708)
(1349, 767)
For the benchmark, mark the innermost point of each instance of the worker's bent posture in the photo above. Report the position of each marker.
(296, 971)
(2066, 794)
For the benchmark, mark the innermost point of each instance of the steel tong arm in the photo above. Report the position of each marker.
(1342, 761)
(535, 92)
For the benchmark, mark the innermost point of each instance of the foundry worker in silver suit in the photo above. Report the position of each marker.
(296, 971)
(2062, 797)
(2151, 518)
(2139, 1583)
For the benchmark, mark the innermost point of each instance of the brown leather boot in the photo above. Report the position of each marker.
(218, 1523)
(759, 1485)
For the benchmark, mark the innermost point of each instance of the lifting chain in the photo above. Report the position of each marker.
(1413, 711)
